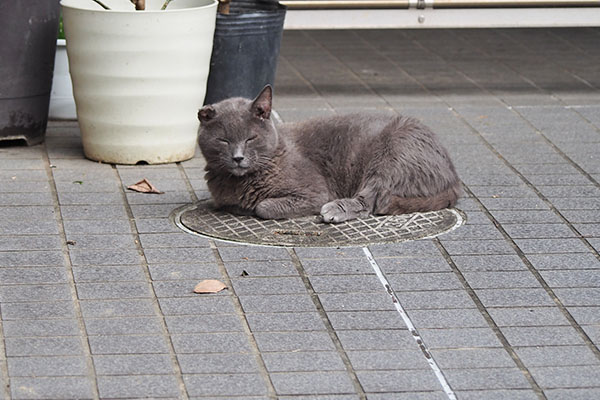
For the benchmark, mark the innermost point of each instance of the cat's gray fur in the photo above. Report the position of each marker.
(342, 167)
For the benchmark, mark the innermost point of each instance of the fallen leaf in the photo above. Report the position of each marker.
(244, 273)
(78, 182)
(209, 286)
(144, 186)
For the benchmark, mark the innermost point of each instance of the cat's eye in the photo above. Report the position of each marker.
(251, 139)
(221, 140)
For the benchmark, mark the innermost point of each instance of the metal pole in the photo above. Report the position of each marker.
(422, 4)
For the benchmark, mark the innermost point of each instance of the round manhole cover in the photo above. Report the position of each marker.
(202, 219)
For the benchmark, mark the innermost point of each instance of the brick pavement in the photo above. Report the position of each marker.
(95, 281)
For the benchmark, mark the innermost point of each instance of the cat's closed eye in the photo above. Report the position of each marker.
(221, 140)
(251, 139)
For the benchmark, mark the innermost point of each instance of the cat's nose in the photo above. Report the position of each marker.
(238, 159)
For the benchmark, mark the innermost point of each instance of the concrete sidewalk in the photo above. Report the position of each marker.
(96, 281)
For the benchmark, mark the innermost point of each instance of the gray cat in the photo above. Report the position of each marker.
(342, 167)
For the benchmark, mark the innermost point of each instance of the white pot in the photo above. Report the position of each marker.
(139, 77)
(62, 103)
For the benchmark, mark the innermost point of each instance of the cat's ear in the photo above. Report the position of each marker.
(261, 106)
(206, 113)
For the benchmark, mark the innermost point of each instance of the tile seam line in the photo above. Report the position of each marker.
(75, 301)
(239, 309)
(165, 334)
(411, 327)
(339, 348)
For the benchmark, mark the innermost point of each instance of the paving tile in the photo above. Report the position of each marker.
(514, 297)
(585, 315)
(451, 318)
(489, 263)
(413, 265)
(294, 341)
(546, 246)
(223, 385)
(424, 281)
(526, 217)
(253, 253)
(156, 225)
(122, 326)
(54, 309)
(104, 211)
(336, 267)
(472, 358)
(179, 255)
(34, 293)
(97, 227)
(527, 316)
(429, 395)
(156, 210)
(261, 268)
(27, 214)
(33, 275)
(542, 336)
(356, 301)
(116, 308)
(196, 305)
(64, 387)
(171, 240)
(549, 356)
(428, 299)
(572, 394)
(287, 285)
(497, 378)
(418, 247)
(113, 290)
(47, 366)
(105, 257)
(133, 364)
(387, 359)
(449, 338)
(564, 261)
(541, 231)
(396, 339)
(31, 258)
(90, 273)
(365, 320)
(97, 242)
(77, 198)
(502, 279)
(225, 363)
(477, 247)
(345, 283)
(572, 278)
(221, 342)
(198, 271)
(329, 382)
(203, 323)
(513, 394)
(50, 346)
(579, 296)
(281, 322)
(49, 227)
(138, 386)
(40, 327)
(303, 361)
(30, 242)
(119, 344)
(277, 303)
(397, 381)
(565, 377)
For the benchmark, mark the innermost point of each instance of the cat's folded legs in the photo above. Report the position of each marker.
(285, 207)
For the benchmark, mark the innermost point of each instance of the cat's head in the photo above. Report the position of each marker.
(237, 135)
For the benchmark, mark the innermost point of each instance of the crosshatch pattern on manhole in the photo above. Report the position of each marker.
(202, 219)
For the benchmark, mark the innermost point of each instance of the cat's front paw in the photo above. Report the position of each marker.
(341, 210)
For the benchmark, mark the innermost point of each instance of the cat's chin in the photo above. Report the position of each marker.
(239, 171)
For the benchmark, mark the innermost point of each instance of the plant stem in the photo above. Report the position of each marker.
(164, 6)
(101, 4)
(139, 4)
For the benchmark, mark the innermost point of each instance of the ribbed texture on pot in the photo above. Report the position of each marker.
(251, 17)
(139, 79)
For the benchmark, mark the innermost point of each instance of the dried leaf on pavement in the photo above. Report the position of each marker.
(209, 286)
(144, 186)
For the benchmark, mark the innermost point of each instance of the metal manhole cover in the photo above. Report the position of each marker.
(201, 219)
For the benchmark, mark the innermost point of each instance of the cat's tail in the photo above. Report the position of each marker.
(405, 205)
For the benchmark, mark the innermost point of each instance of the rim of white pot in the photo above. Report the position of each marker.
(77, 5)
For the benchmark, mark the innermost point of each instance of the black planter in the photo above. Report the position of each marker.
(245, 49)
(28, 29)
